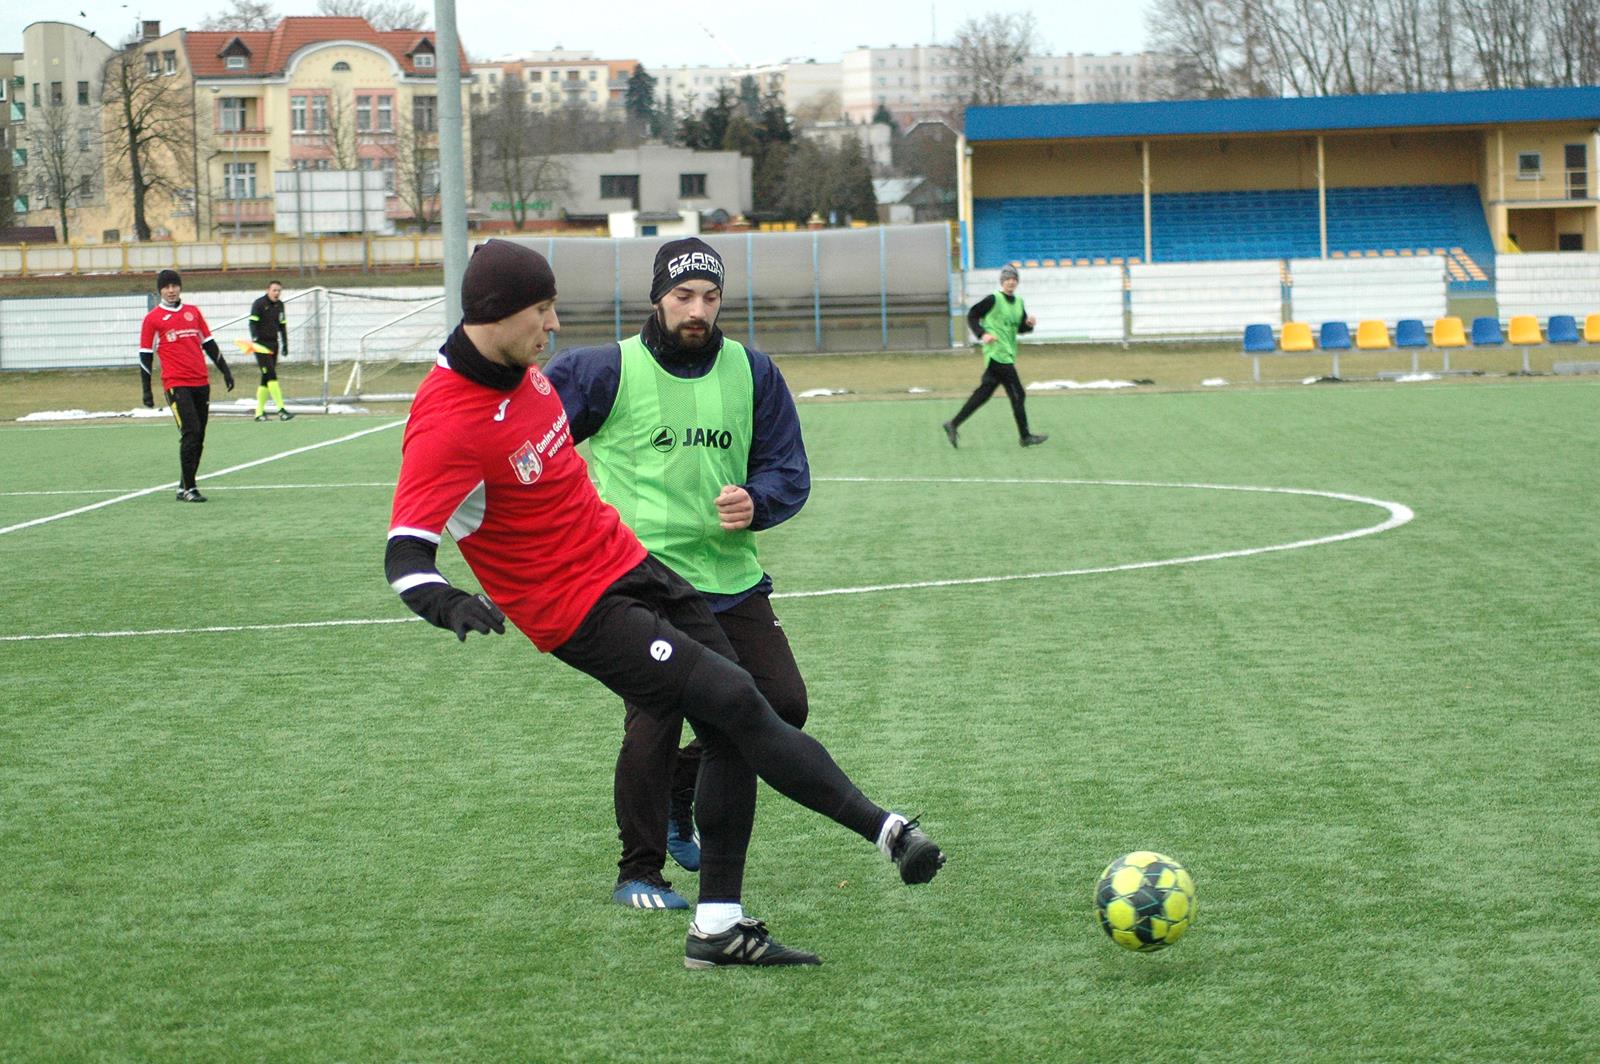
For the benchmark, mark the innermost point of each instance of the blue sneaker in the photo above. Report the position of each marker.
(683, 843)
(650, 893)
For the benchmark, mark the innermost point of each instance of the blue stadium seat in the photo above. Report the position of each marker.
(1561, 329)
(1486, 333)
(1335, 336)
(1409, 332)
(1258, 338)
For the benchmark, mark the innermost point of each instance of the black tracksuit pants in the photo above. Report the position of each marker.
(655, 781)
(191, 408)
(652, 640)
(997, 375)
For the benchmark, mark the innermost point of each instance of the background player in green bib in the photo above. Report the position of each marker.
(695, 440)
(996, 320)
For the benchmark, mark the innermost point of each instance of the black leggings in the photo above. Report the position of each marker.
(653, 640)
(268, 365)
(191, 408)
(997, 375)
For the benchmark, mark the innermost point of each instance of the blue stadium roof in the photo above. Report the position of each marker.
(1298, 115)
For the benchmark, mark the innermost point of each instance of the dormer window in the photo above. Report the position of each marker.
(236, 56)
(236, 62)
(424, 60)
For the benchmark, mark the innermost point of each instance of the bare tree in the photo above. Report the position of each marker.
(514, 159)
(343, 143)
(242, 15)
(991, 59)
(149, 121)
(60, 157)
(1572, 30)
(415, 149)
(380, 14)
(825, 106)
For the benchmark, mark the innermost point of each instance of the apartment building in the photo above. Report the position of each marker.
(56, 153)
(11, 140)
(551, 80)
(926, 81)
(317, 93)
(798, 82)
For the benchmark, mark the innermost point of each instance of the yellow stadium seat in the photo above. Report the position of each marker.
(1047, 262)
(1448, 332)
(1296, 336)
(1083, 262)
(1388, 253)
(1405, 253)
(1336, 254)
(1372, 336)
(1032, 264)
(1525, 331)
(1134, 261)
(1591, 329)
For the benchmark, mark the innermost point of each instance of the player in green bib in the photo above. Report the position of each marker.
(695, 439)
(996, 320)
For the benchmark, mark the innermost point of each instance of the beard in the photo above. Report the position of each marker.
(692, 341)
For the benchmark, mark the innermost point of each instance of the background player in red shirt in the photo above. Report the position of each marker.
(488, 456)
(179, 333)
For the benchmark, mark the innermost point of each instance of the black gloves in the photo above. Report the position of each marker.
(227, 374)
(452, 609)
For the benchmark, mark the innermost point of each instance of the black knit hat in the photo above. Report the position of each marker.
(503, 277)
(166, 277)
(684, 260)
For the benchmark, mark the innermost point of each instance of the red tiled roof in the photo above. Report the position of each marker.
(270, 50)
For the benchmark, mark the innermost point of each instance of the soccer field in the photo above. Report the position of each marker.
(251, 809)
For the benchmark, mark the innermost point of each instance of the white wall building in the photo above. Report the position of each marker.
(653, 179)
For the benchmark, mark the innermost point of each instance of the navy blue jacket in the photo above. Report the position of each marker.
(778, 476)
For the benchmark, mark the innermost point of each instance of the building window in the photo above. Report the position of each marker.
(236, 62)
(85, 187)
(341, 67)
(152, 64)
(56, 98)
(535, 75)
(230, 114)
(36, 94)
(691, 185)
(297, 114)
(169, 62)
(83, 139)
(239, 180)
(425, 113)
(385, 114)
(592, 75)
(319, 114)
(423, 60)
(364, 113)
(1530, 165)
(3, 89)
(83, 93)
(593, 97)
(535, 97)
(618, 186)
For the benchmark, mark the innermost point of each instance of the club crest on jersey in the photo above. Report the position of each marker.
(541, 383)
(526, 464)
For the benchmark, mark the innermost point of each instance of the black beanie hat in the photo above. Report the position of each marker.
(502, 278)
(684, 260)
(166, 277)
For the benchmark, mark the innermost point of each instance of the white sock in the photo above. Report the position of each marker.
(889, 823)
(715, 917)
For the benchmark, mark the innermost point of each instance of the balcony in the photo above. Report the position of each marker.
(255, 211)
(1568, 184)
(242, 139)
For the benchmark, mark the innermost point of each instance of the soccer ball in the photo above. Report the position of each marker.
(1146, 901)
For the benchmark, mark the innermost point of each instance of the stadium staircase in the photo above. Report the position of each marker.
(1376, 222)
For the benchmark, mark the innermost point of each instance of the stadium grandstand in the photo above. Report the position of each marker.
(1458, 175)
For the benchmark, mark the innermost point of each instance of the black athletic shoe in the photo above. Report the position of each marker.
(1032, 440)
(746, 942)
(261, 417)
(951, 434)
(284, 415)
(190, 495)
(918, 856)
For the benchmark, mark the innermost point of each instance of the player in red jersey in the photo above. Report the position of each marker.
(179, 333)
(488, 457)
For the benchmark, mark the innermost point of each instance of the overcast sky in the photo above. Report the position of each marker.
(666, 34)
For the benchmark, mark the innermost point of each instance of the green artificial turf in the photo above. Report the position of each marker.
(366, 841)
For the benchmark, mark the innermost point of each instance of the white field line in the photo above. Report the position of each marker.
(215, 487)
(1399, 514)
(206, 476)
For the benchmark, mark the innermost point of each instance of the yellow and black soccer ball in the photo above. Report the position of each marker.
(1146, 901)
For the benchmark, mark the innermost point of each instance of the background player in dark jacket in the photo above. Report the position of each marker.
(488, 456)
(725, 436)
(269, 329)
(179, 333)
(996, 320)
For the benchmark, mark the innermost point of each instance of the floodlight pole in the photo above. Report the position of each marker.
(452, 162)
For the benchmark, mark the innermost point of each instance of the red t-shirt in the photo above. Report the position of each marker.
(498, 471)
(175, 335)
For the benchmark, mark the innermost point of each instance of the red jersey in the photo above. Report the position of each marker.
(176, 334)
(498, 470)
